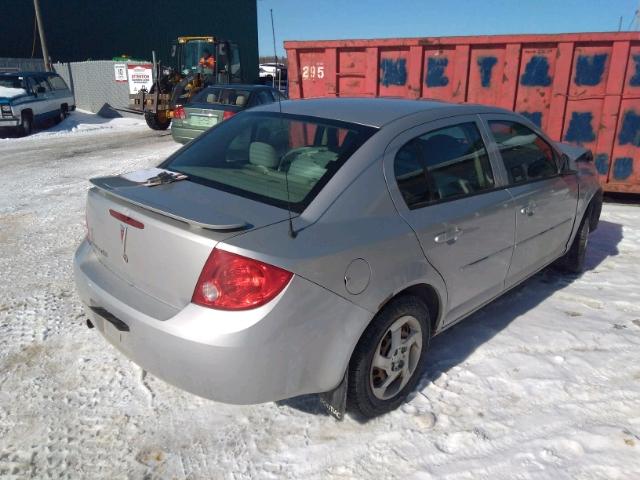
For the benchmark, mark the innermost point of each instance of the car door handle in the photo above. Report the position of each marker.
(450, 236)
(529, 209)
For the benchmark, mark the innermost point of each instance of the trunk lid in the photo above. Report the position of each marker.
(203, 117)
(157, 239)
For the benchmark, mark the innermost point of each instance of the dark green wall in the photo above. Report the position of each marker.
(79, 30)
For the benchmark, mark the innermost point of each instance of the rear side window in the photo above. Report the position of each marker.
(447, 163)
(270, 157)
(57, 83)
(526, 156)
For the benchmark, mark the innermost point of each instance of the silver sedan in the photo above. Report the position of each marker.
(318, 245)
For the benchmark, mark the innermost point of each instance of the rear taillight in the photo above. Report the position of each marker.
(233, 282)
(179, 113)
(227, 115)
(126, 219)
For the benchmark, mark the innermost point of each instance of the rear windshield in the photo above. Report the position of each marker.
(10, 81)
(261, 155)
(222, 96)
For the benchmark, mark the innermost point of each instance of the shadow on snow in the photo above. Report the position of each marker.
(456, 344)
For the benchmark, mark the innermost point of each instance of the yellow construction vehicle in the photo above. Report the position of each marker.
(199, 61)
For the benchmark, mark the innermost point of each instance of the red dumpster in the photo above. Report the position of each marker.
(582, 88)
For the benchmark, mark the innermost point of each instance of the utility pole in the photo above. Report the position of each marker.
(43, 39)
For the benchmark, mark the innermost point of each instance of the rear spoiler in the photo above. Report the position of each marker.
(182, 201)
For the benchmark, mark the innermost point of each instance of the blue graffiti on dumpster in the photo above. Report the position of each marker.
(435, 72)
(486, 65)
(580, 129)
(394, 72)
(589, 69)
(536, 72)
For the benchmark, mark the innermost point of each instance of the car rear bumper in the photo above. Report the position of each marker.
(299, 343)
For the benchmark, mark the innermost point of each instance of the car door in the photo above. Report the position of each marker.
(544, 199)
(61, 91)
(42, 105)
(442, 181)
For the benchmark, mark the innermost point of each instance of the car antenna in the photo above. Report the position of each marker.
(292, 232)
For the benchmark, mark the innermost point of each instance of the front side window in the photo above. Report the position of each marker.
(261, 155)
(235, 67)
(525, 154)
(447, 163)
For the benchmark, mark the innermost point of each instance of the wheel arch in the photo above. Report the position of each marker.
(429, 295)
(426, 293)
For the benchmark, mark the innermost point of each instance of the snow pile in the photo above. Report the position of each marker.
(542, 384)
(8, 92)
(82, 122)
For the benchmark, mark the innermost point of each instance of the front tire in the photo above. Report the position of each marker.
(573, 260)
(389, 358)
(26, 128)
(62, 113)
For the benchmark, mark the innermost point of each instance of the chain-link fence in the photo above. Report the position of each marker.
(21, 64)
(94, 86)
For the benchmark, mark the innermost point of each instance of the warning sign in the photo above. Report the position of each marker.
(140, 75)
(120, 72)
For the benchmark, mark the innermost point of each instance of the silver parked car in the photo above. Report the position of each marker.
(318, 249)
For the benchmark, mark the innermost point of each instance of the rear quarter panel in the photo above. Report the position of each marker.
(587, 176)
(362, 223)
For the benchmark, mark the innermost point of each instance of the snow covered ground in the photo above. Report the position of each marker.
(542, 384)
(79, 122)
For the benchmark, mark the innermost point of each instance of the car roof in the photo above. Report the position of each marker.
(374, 112)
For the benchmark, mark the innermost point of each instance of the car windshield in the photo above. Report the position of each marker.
(194, 51)
(222, 96)
(11, 81)
(264, 155)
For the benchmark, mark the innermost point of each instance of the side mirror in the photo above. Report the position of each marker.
(565, 165)
(585, 157)
(41, 90)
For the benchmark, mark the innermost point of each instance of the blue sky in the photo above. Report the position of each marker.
(335, 19)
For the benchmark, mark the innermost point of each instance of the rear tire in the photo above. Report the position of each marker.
(573, 260)
(155, 122)
(62, 114)
(374, 390)
(26, 128)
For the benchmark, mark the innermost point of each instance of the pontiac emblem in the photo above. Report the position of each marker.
(123, 241)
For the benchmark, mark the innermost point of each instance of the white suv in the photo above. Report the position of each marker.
(30, 98)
